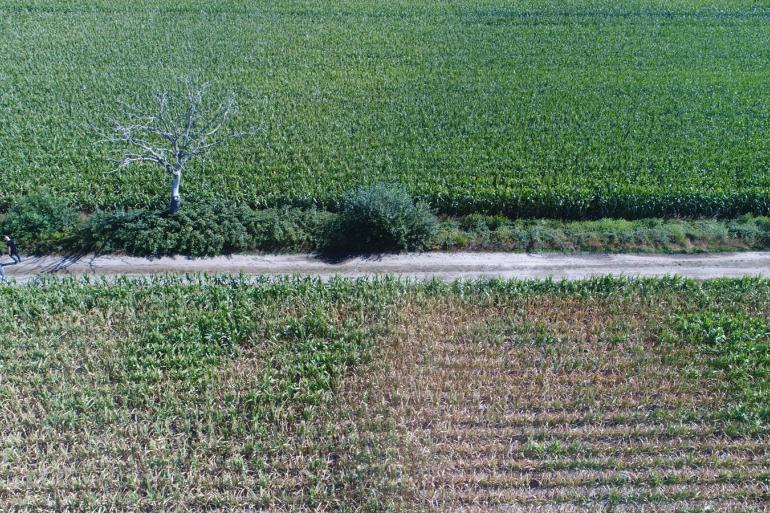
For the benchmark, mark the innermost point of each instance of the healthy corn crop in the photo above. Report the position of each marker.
(533, 108)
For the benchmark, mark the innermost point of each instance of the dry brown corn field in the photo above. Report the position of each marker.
(607, 395)
(562, 405)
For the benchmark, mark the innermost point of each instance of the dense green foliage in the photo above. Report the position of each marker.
(376, 220)
(497, 233)
(739, 346)
(202, 230)
(41, 223)
(381, 218)
(535, 108)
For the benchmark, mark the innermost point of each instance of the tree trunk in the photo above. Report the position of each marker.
(176, 200)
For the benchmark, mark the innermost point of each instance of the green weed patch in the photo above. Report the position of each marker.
(738, 347)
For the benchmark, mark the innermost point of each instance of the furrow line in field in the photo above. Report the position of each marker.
(620, 448)
(679, 506)
(652, 477)
(448, 431)
(600, 494)
(633, 463)
(545, 417)
(599, 435)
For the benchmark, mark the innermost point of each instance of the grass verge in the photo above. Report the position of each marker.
(496, 233)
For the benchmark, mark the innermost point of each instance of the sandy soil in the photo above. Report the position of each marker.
(445, 266)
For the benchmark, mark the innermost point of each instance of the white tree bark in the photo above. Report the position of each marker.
(176, 200)
(175, 134)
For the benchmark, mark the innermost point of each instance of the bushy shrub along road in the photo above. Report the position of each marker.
(543, 109)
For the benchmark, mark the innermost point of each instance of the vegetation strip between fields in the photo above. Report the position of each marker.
(381, 219)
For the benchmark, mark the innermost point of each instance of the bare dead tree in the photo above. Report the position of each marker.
(177, 132)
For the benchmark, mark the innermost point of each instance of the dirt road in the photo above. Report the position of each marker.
(445, 266)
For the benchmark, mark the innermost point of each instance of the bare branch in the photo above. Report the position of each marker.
(203, 148)
(132, 158)
(217, 120)
(173, 134)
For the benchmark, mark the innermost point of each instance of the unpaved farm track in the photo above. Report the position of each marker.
(444, 266)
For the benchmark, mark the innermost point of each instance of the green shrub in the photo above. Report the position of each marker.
(381, 218)
(197, 230)
(203, 230)
(289, 229)
(482, 222)
(41, 223)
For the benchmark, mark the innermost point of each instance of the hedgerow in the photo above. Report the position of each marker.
(377, 219)
(205, 229)
(41, 223)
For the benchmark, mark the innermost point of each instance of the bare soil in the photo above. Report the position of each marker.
(444, 266)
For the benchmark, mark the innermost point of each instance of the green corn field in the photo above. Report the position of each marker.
(530, 108)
